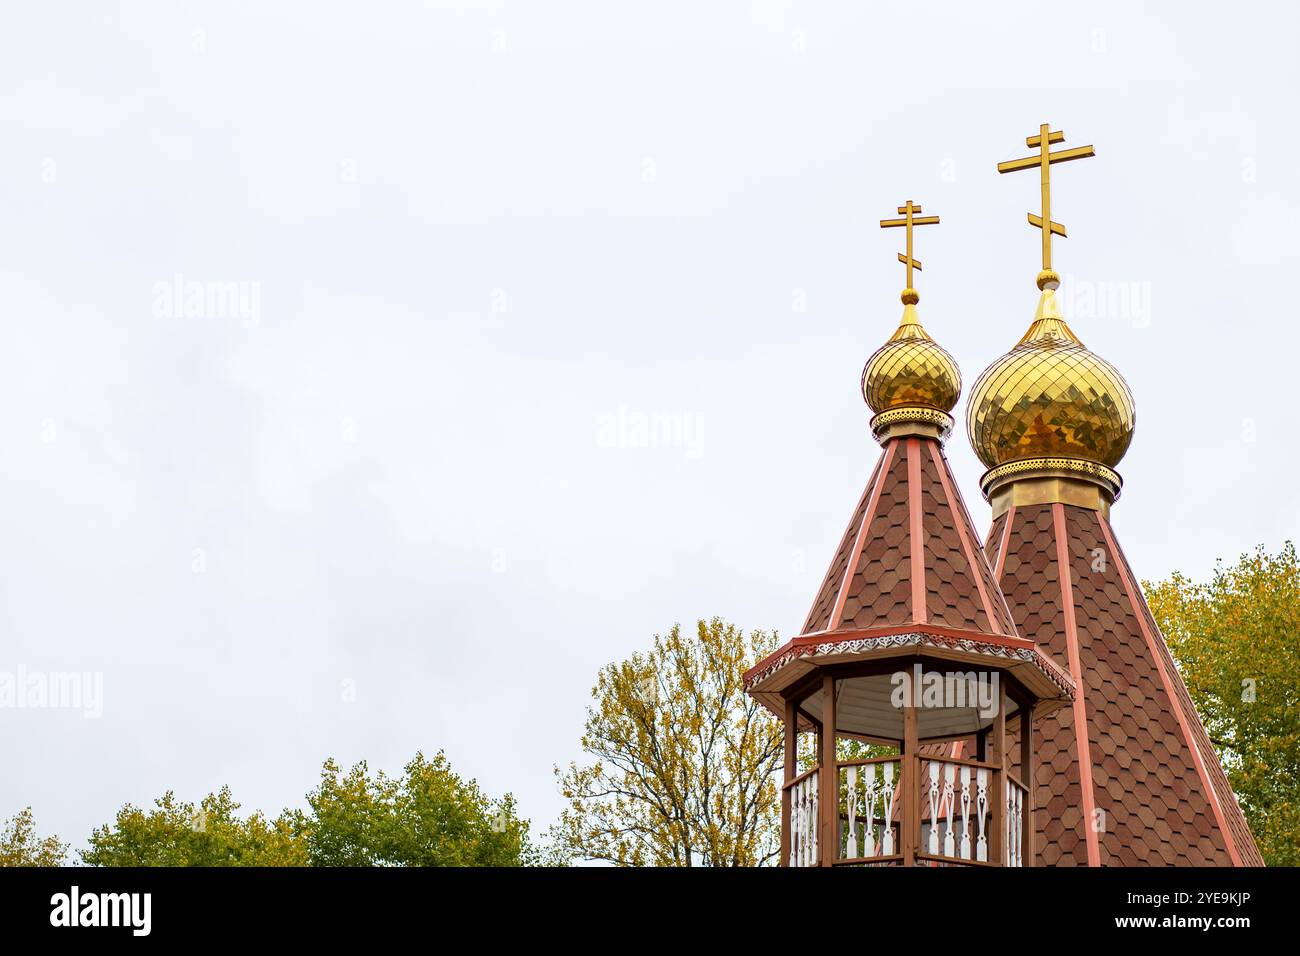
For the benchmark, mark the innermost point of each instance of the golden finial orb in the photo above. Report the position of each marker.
(1049, 397)
(911, 369)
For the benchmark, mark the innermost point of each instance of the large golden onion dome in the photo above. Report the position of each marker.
(910, 370)
(1050, 398)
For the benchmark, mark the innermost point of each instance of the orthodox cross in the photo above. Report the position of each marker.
(1044, 161)
(909, 220)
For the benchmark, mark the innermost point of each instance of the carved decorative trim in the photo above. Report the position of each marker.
(1099, 474)
(942, 422)
(864, 645)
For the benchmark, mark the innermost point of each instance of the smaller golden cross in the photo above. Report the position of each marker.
(1044, 161)
(909, 220)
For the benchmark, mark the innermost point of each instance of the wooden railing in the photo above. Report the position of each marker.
(962, 813)
(802, 812)
(957, 809)
(1018, 815)
(869, 811)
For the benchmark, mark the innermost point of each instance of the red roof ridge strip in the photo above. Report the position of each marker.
(1002, 551)
(958, 515)
(1087, 793)
(872, 481)
(1009, 619)
(851, 566)
(916, 530)
(1130, 588)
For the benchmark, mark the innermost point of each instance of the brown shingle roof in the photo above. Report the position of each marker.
(880, 576)
(1157, 789)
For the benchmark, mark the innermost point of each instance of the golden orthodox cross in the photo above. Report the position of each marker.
(909, 220)
(1044, 161)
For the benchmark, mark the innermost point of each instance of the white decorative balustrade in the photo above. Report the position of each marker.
(869, 809)
(1014, 816)
(961, 813)
(956, 804)
(804, 819)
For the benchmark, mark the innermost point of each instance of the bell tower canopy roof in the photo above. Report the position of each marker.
(909, 580)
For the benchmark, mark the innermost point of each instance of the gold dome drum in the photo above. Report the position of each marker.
(1050, 397)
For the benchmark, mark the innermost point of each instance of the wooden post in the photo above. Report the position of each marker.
(910, 824)
(791, 771)
(998, 798)
(1028, 850)
(829, 794)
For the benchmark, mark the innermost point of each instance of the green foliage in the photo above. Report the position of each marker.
(1235, 639)
(20, 846)
(182, 834)
(427, 816)
(684, 762)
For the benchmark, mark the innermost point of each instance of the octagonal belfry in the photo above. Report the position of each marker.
(910, 646)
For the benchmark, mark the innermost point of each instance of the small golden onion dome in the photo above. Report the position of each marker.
(911, 369)
(1049, 397)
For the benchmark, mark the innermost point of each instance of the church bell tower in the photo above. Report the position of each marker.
(910, 649)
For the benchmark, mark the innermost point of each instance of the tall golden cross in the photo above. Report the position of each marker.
(1044, 161)
(909, 220)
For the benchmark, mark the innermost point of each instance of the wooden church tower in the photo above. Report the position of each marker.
(1127, 774)
(1022, 706)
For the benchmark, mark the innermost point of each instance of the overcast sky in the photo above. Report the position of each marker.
(389, 496)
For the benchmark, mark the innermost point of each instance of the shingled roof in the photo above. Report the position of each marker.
(1131, 754)
(910, 554)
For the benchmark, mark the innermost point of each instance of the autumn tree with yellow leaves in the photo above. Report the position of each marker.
(21, 845)
(208, 833)
(683, 763)
(1237, 642)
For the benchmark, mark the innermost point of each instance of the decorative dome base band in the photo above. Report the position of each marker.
(912, 420)
(1072, 481)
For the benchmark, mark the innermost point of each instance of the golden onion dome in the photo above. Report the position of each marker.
(1049, 397)
(911, 369)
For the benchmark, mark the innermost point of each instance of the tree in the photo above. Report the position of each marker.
(1235, 640)
(684, 761)
(211, 834)
(428, 816)
(20, 846)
